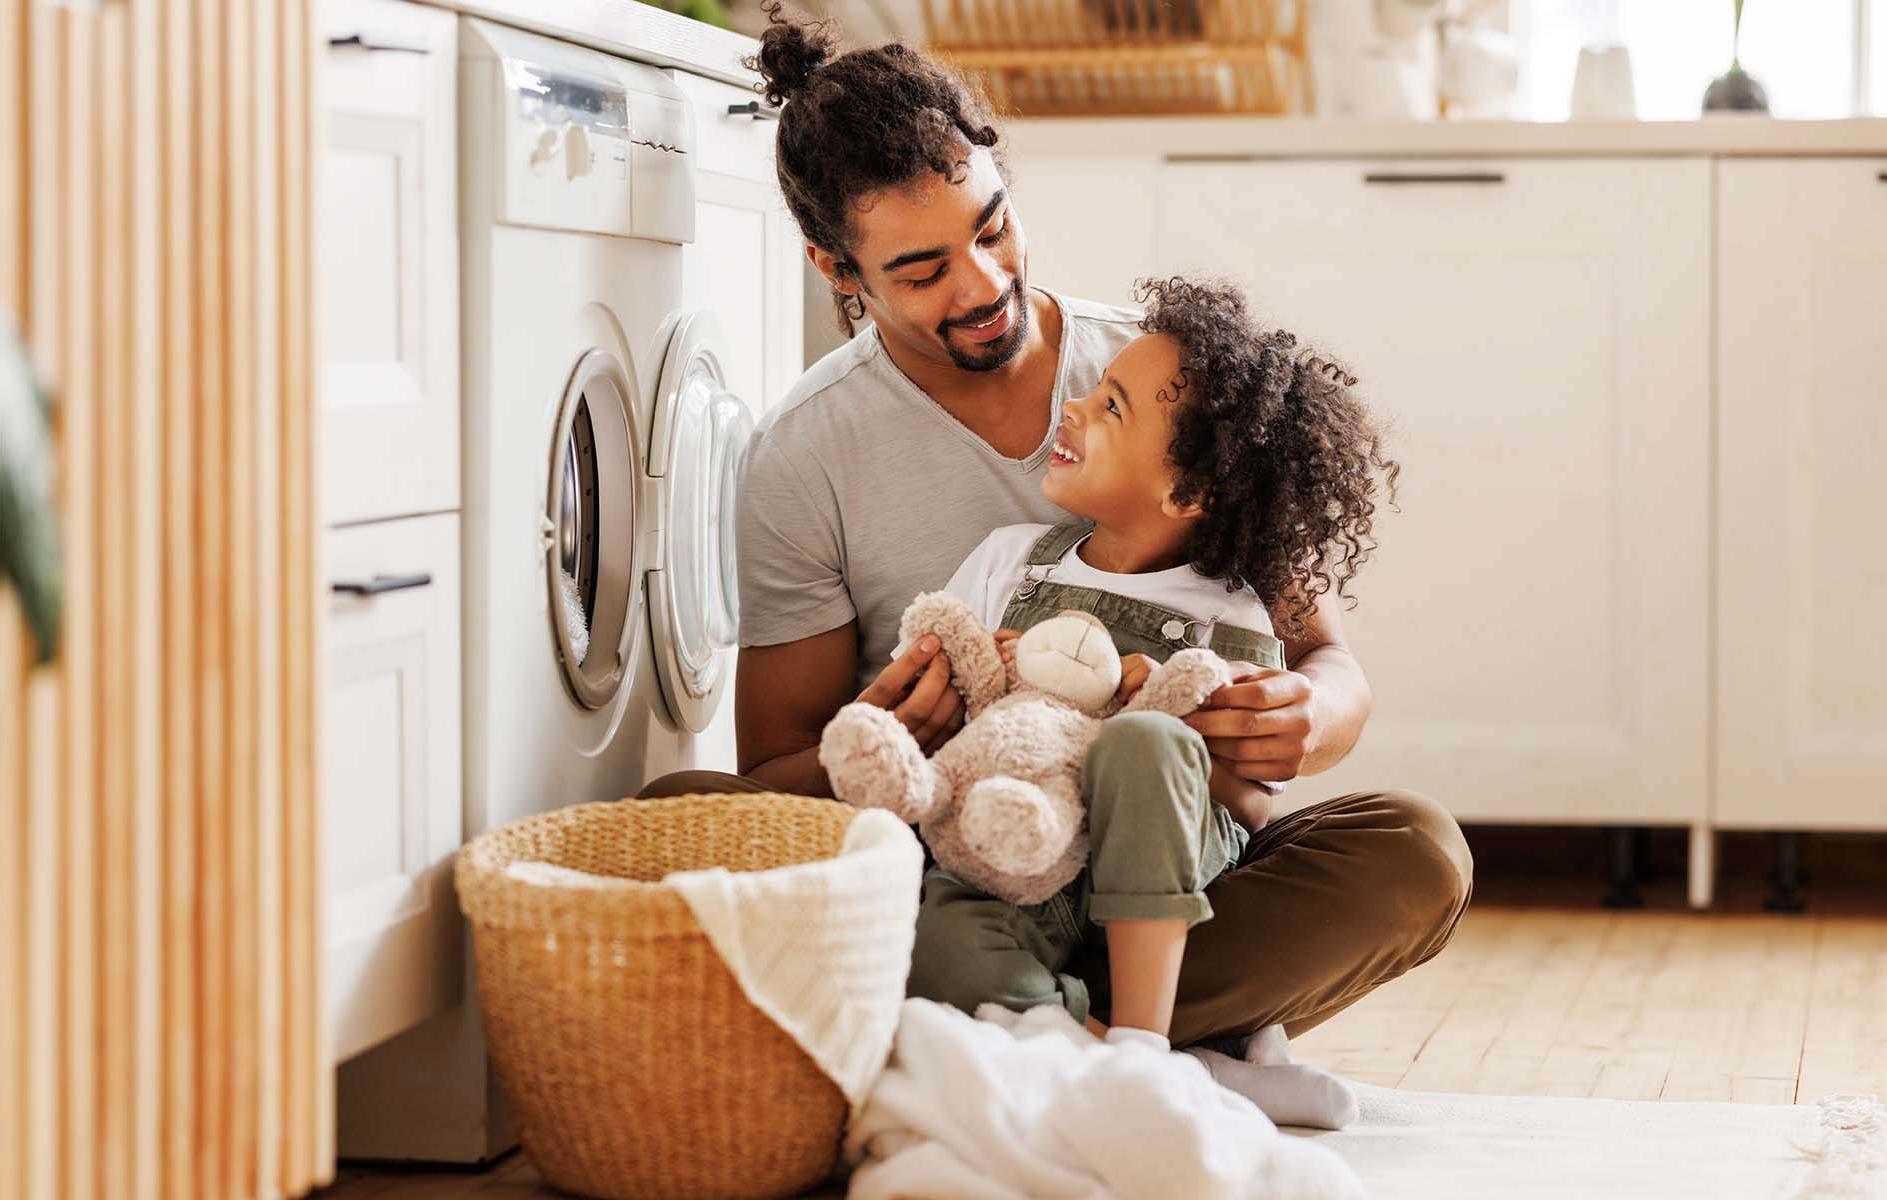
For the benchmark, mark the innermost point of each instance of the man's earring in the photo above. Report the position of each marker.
(853, 306)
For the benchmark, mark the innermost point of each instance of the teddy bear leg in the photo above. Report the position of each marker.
(1018, 827)
(874, 762)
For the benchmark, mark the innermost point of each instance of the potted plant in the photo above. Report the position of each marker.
(1736, 90)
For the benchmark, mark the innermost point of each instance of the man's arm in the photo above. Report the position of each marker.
(1341, 694)
(1277, 725)
(785, 694)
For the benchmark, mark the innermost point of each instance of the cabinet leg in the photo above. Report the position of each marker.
(1703, 865)
(1785, 875)
(1621, 852)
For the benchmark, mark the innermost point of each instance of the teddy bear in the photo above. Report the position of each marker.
(1000, 804)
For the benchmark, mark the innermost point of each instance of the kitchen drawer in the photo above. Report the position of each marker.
(727, 143)
(387, 262)
(391, 800)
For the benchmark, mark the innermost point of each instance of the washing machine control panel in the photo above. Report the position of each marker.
(584, 141)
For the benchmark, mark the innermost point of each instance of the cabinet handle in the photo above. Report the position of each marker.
(1439, 178)
(354, 41)
(1882, 176)
(381, 583)
(754, 109)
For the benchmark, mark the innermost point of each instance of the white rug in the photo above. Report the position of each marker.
(1426, 1146)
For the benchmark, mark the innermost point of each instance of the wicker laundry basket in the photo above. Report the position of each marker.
(631, 1059)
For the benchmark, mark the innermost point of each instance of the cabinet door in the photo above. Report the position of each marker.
(387, 262)
(1536, 334)
(390, 778)
(1802, 435)
(746, 260)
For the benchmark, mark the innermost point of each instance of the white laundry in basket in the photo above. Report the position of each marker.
(822, 947)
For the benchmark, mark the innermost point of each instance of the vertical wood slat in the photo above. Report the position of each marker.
(144, 117)
(240, 1140)
(42, 1115)
(213, 1109)
(42, 1112)
(261, 533)
(108, 741)
(181, 985)
(308, 1115)
(78, 1060)
(13, 648)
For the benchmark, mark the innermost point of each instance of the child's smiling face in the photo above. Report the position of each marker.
(1110, 463)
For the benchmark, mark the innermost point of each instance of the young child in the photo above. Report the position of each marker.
(1219, 474)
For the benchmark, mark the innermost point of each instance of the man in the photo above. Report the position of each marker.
(893, 457)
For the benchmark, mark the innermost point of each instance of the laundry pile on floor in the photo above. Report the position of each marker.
(970, 1109)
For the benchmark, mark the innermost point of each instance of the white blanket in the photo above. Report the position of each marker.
(822, 947)
(969, 1109)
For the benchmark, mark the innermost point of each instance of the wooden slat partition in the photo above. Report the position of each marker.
(161, 1029)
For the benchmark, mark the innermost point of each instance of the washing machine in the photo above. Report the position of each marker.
(601, 445)
(602, 442)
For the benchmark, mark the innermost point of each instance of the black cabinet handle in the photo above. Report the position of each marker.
(754, 109)
(1434, 178)
(381, 583)
(354, 41)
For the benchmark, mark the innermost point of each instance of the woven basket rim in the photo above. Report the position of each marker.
(490, 896)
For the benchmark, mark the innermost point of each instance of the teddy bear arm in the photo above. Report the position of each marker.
(1182, 683)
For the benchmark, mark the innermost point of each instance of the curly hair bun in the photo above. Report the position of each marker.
(789, 54)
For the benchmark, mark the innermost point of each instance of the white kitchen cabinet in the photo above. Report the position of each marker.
(1536, 333)
(391, 806)
(746, 260)
(387, 261)
(1802, 435)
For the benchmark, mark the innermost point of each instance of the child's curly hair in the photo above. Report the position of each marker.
(1271, 442)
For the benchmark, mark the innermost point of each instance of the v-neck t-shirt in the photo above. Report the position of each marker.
(860, 491)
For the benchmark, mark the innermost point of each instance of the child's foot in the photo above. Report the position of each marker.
(1288, 1092)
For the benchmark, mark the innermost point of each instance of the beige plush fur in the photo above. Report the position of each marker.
(1000, 805)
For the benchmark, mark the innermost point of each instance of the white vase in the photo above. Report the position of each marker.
(1602, 85)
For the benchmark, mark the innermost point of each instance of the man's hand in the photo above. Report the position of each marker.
(1134, 670)
(916, 690)
(1259, 726)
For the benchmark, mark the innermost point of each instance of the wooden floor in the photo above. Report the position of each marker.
(1543, 993)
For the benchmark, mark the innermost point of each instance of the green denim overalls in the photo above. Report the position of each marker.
(1156, 838)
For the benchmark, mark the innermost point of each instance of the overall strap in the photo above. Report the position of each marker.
(1052, 545)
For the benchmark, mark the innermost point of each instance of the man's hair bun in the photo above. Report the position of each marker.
(789, 54)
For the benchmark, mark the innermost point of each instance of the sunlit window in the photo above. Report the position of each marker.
(1801, 51)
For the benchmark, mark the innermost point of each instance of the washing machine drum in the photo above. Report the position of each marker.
(701, 430)
(592, 533)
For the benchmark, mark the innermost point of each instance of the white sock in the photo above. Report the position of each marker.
(1127, 1035)
(1287, 1092)
(1268, 1048)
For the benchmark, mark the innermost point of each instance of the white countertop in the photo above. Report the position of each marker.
(622, 27)
(1305, 137)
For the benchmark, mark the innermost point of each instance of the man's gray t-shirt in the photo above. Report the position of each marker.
(860, 491)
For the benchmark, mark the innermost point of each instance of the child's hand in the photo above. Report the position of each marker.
(1134, 669)
(1006, 640)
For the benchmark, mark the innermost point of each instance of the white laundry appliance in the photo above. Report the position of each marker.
(601, 449)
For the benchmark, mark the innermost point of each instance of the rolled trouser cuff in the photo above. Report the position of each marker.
(1190, 907)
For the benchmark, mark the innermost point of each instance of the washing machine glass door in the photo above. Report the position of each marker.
(701, 434)
(592, 539)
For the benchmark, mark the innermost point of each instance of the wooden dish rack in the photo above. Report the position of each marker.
(1096, 57)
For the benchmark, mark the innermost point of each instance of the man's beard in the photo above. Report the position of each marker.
(997, 353)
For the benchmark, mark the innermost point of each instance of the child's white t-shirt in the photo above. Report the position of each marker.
(994, 570)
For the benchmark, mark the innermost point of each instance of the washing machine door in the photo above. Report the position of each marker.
(699, 439)
(592, 531)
